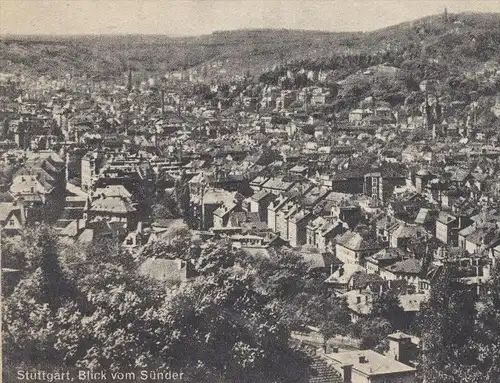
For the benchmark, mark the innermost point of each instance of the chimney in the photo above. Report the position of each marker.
(399, 345)
(347, 373)
(362, 359)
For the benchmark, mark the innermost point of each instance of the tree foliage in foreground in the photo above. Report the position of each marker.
(217, 328)
(448, 336)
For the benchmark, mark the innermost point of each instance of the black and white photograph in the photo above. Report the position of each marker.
(261, 191)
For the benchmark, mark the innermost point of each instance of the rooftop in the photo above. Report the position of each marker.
(374, 363)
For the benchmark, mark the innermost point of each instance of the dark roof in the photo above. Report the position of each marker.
(360, 280)
(407, 266)
(321, 372)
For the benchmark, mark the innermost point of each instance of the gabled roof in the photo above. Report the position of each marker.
(360, 280)
(354, 241)
(406, 231)
(113, 205)
(7, 208)
(344, 273)
(406, 266)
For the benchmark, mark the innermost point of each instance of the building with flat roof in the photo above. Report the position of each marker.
(368, 366)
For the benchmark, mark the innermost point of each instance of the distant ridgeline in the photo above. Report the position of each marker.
(449, 42)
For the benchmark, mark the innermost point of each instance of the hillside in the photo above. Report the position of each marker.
(462, 41)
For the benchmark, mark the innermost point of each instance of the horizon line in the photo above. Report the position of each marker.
(248, 29)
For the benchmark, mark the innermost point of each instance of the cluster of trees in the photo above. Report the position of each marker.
(86, 307)
(385, 317)
(173, 204)
(461, 334)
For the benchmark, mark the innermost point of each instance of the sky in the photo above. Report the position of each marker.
(196, 17)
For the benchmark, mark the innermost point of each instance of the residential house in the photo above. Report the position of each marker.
(274, 209)
(297, 224)
(277, 186)
(384, 258)
(222, 214)
(12, 217)
(340, 278)
(448, 226)
(113, 209)
(408, 269)
(40, 185)
(322, 231)
(368, 366)
(206, 203)
(259, 203)
(353, 248)
(402, 235)
(357, 115)
(478, 237)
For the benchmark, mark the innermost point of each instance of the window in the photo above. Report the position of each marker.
(12, 222)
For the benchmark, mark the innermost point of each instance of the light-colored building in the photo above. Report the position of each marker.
(352, 248)
(367, 366)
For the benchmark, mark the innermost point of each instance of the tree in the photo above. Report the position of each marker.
(219, 324)
(116, 327)
(280, 276)
(388, 306)
(166, 207)
(29, 313)
(13, 253)
(40, 247)
(213, 258)
(488, 330)
(372, 331)
(448, 321)
(105, 250)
